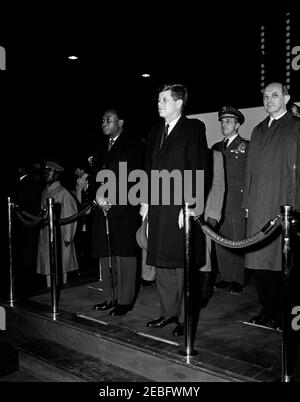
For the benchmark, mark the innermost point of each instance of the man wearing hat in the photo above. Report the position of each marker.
(67, 207)
(148, 271)
(232, 226)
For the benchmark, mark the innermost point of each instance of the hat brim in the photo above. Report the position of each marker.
(141, 235)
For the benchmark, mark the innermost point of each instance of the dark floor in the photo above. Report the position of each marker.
(221, 330)
(222, 339)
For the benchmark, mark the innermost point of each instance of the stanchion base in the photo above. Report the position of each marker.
(9, 301)
(53, 315)
(184, 352)
(287, 378)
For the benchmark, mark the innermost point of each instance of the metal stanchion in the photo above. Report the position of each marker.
(188, 308)
(11, 298)
(286, 213)
(53, 257)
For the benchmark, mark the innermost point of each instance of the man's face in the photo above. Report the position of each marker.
(111, 125)
(229, 126)
(168, 108)
(274, 100)
(49, 175)
(79, 172)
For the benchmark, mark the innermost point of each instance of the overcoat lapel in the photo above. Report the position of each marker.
(159, 153)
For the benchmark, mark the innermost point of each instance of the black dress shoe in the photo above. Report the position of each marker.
(258, 319)
(104, 306)
(162, 322)
(120, 309)
(146, 283)
(235, 288)
(178, 330)
(222, 285)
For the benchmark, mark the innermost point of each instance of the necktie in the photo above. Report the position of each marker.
(164, 135)
(226, 143)
(271, 121)
(110, 143)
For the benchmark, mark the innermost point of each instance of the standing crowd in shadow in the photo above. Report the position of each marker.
(245, 183)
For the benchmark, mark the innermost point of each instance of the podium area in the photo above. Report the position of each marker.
(81, 344)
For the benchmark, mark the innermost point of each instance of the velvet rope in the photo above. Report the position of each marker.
(267, 229)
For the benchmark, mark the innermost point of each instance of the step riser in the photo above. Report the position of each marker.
(44, 371)
(149, 365)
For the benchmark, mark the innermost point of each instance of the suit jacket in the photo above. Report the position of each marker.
(124, 220)
(184, 149)
(235, 157)
(272, 180)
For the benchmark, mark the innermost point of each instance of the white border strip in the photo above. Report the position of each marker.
(158, 339)
(259, 326)
(91, 319)
(92, 287)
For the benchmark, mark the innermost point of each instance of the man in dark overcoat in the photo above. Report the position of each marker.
(177, 143)
(123, 220)
(233, 224)
(272, 180)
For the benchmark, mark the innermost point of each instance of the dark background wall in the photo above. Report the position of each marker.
(51, 107)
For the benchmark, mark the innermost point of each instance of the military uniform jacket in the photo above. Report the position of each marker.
(235, 157)
(184, 148)
(272, 180)
(124, 220)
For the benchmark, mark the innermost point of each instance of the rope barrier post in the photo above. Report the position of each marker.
(11, 298)
(286, 213)
(188, 308)
(53, 257)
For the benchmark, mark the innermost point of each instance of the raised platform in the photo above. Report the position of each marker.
(228, 350)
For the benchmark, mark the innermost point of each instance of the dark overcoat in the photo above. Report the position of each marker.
(124, 220)
(184, 149)
(272, 180)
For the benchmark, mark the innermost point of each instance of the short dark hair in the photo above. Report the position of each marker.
(117, 110)
(178, 91)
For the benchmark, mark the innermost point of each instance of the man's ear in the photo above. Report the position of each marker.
(179, 103)
(286, 98)
(121, 122)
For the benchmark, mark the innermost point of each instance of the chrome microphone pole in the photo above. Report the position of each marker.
(109, 255)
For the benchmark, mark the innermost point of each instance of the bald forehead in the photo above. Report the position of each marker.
(273, 87)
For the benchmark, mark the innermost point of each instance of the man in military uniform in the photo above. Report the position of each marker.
(233, 224)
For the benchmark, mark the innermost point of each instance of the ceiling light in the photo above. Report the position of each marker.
(146, 75)
(73, 57)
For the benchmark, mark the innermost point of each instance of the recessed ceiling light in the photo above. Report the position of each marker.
(73, 57)
(146, 75)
